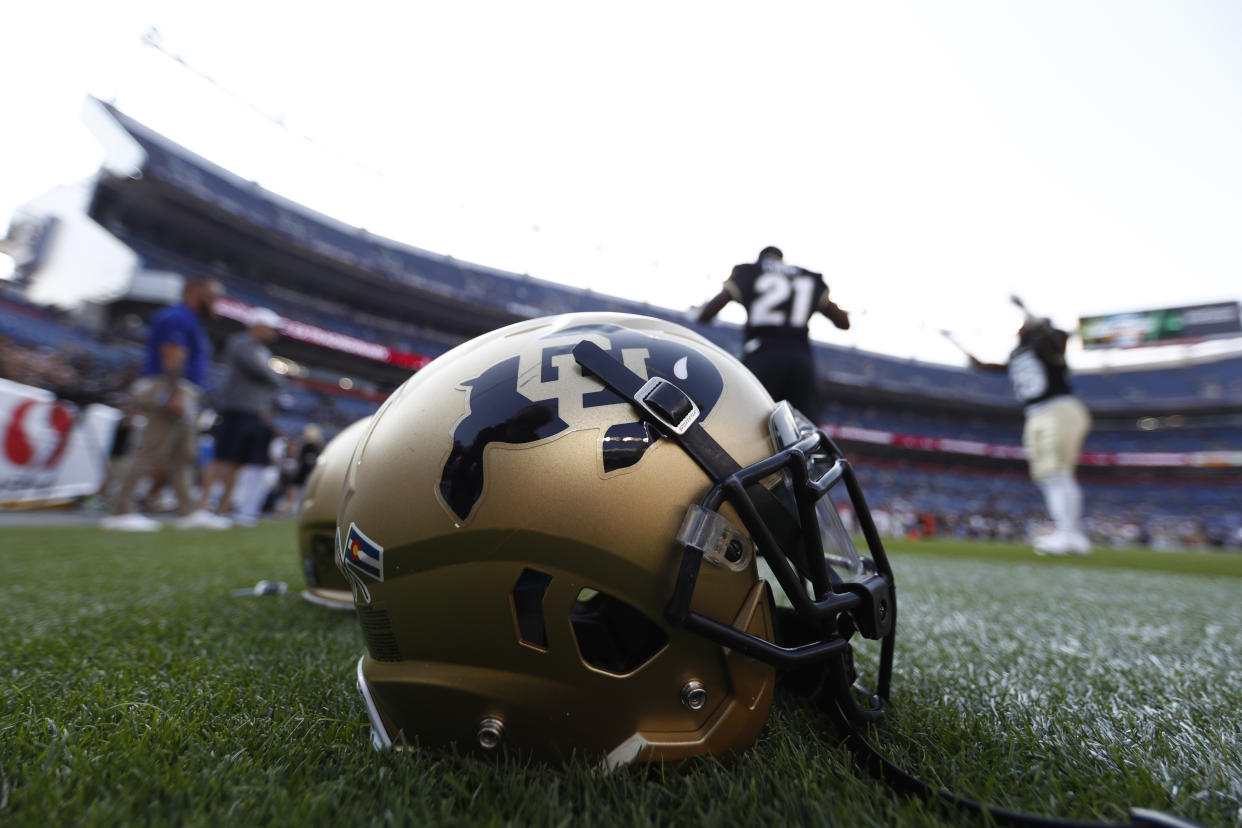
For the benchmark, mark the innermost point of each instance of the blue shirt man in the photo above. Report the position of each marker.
(179, 326)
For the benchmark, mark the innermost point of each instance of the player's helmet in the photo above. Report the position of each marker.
(771, 253)
(551, 537)
(325, 585)
(1032, 327)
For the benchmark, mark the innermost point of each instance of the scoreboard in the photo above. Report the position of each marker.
(1165, 326)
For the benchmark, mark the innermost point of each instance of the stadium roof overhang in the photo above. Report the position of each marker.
(245, 251)
(257, 234)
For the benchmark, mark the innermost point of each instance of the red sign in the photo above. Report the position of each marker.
(324, 338)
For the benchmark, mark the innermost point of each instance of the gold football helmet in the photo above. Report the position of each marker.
(551, 535)
(325, 585)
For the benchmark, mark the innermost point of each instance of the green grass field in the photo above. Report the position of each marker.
(135, 689)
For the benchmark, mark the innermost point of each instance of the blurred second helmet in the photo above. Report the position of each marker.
(325, 585)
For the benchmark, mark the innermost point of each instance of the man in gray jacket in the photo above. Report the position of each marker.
(245, 403)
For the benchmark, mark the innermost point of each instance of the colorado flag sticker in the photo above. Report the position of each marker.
(364, 554)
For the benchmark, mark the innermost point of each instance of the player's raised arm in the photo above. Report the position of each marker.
(975, 362)
(838, 315)
(980, 365)
(713, 306)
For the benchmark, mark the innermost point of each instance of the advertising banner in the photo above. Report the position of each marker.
(51, 450)
(332, 340)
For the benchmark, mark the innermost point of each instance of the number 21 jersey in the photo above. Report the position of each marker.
(779, 299)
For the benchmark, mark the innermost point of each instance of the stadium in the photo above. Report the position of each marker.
(146, 682)
(1161, 466)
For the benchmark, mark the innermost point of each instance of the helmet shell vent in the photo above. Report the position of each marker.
(527, 599)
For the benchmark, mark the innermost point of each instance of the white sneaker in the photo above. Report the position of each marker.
(130, 522)
(1078, 544)
(1053, 543)
(203, 519)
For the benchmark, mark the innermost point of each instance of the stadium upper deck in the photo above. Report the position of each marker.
(185, 212)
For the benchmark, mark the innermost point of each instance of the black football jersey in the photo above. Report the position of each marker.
(1037, 369)
(779, 298)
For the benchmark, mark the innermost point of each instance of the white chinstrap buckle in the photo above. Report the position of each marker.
(649, 387)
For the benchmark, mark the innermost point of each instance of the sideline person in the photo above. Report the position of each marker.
(169, 396)
(246, 404)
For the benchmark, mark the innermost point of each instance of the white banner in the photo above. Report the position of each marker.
(50, 449)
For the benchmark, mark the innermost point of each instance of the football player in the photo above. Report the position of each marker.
(779, 299)
(1057, 422)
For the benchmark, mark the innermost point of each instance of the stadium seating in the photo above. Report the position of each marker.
(1157, 510)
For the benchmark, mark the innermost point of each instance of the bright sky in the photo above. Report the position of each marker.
(929, 158)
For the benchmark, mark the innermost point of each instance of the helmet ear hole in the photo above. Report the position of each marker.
(322, 558)
(612, 636)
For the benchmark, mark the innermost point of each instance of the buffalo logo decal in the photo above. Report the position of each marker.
(541, 394)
